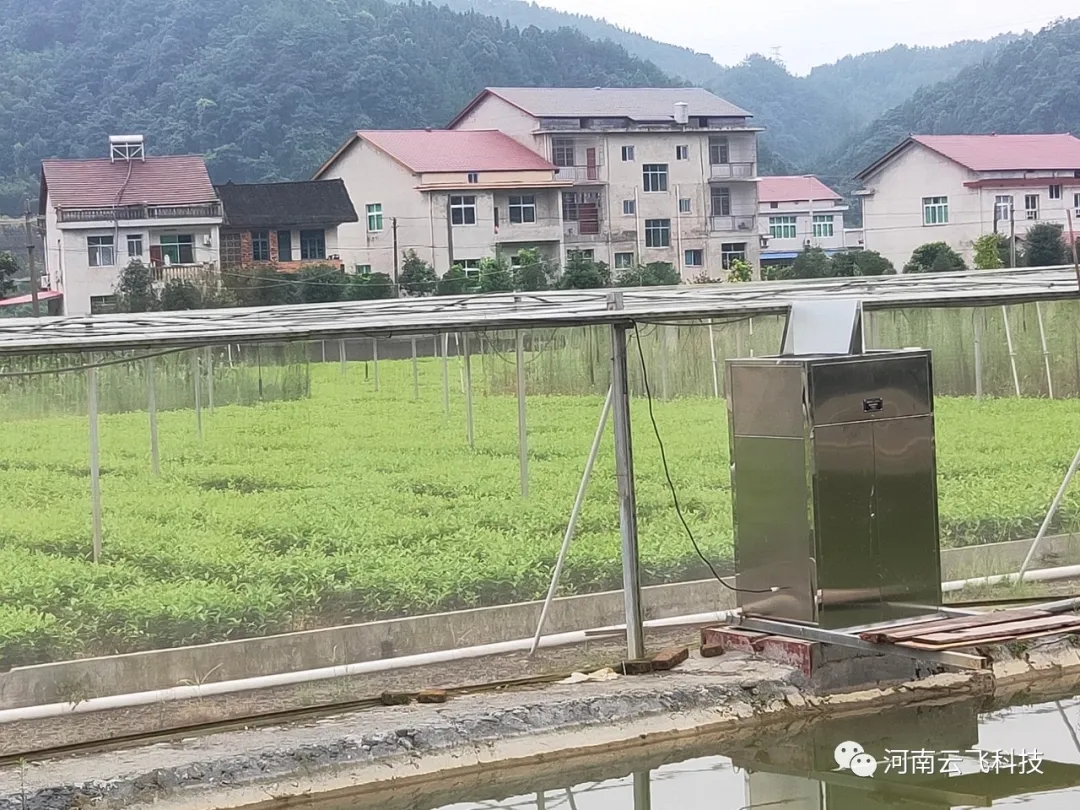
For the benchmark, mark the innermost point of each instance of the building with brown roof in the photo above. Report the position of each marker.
(103, 213)
(956, 188)
(453, 197)
(656, 173)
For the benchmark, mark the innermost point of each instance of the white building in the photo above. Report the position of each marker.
(453, 197)
(956, 188)
(658, 174)
(101, 214)
(798, 212)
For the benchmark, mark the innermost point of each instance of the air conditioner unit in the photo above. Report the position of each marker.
(207, 240)
(808, 242)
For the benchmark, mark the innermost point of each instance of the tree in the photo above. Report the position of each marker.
(533, 271)
(988, 251)
(860, 263)
(811, 263)
(178, 295)
(495, 276)
(454, 282)
(321, 284)
(653, 274)
(369, 287)
(740, 271)
(1045, 246)
(934, 257)
(260, 286)
(9, 267)
(583, 273)
(417, 277)
(135, 289)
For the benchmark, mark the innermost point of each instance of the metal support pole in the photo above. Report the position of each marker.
(523, 438)
(151, 408)
(541, 800)
(375, 360)
(1050, 515)
(752, 337)
(571, 526)
(978, 316)
(446, 374)
(321, 343)
(642, 791)
(415, 373)
(210, 378)
(715, 365)
(1012, 351)
(198, 393)
(342, 357)
(95, 461)
(664, 346)
(1045, 351)
(468, 389)
(624, 475)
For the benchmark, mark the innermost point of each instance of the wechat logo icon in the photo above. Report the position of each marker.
(850, 756)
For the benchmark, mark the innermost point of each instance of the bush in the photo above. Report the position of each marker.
(495, 276)
(988, 250)
(533, 272)
(321, 284)
(583, 273)
(934, 257)
(1045, 246)
(860, 263)
(740, 271)
(135, 289)
(454, 282)
(370, 287)
(653, 274)
(811, 263)
(178, 295)
(417, 277)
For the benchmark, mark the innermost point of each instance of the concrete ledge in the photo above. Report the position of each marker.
(230, 660)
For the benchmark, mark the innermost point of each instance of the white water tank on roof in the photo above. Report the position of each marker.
(682, 112)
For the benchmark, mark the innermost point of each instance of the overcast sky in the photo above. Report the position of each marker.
(812, 33)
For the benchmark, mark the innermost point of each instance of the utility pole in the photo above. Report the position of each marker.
(34, 283)
(393, 224)
(1072, 242)
(449, 234)
(1012, 235)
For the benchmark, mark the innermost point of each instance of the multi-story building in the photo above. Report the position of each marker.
(956, 188)
(656, 174)
(101, 214)
(455, 197)
(796, 213)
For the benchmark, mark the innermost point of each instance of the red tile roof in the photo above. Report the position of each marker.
(97, 183)
(793, 188)
(444, 150)
(1002, 153)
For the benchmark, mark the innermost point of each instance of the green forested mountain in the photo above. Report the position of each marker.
(266, 88)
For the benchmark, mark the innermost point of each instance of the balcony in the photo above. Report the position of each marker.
(544, 231)
(732, 171)
(732, 224)
(125, 213)
(580, 174)
(204, 274)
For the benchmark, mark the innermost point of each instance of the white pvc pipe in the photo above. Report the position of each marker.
(1051, 512)
(205, 690)
(1042, 575)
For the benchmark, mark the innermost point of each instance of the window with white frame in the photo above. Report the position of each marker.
(313, 244)
(1003, 207)
(935, 210)
(719, 151)
(363, 269)
(629, 207)
(463, 210)
(1031, 206)
(624, 261)
(684, 205)
(179, 248)
(101, 250)
(654, 176)
(102, 304)
(562, 151)
(694, 257)
(658, 233)
(1055, 192)
(522, 208)
(682, 152)
(470, 266)
(823, 225)
(783, 227)
(374, 217)
(579, 253)
(1076, 205)
(721, 201)
(729, 252)
(628, 153)
(134, 246)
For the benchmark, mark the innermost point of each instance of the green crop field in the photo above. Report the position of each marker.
(355, 504)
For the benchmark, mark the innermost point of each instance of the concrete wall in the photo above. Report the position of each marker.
(804, 230)
(494, 113)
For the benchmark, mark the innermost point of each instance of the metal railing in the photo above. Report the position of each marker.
(732, 224)
(579, 174)
(731, 171)
(133, 212)
(199, 273)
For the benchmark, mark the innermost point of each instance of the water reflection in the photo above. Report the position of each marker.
(930, 758)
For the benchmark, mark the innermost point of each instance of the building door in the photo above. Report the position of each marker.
(590, 164)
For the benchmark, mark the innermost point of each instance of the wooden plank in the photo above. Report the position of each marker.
(1005, 629)
(893, 635)
(1059, 631)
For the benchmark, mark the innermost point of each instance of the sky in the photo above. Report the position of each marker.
(813, 33)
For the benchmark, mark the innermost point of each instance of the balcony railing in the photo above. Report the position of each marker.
(732, 171)
(124, 213)
(579, 174)
(738, 224)
(204, 273)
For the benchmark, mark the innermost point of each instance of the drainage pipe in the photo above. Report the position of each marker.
(156, 696)
(1041, 575)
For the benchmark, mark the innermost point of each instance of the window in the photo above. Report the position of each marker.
(694, 258)
(523, 209)
(471, 268)
(783, 227)
(313, 244)
(134, 245)
(1031, 206)
(774, 205)
(935, 210)
(180, 248)
(628, 153)
(102, 304)
(721, 202)
(682, 152)
(230, 250)
(260, 246)
(284, 246)
(629, 207)
(586, 253)
(1055, 192)
(624, 261)
(655, 176)
(473, 177)
(463, 210)
(1003, 207)
(823, 225)
(562, 151)
(374, 217)
(584, 209)
(719, 152)
(101, 250)
(658, 233)
(731, 252)
(684, 205)
(363, 269)
(1076, 205)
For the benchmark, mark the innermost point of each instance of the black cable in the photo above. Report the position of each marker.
(671, 484)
